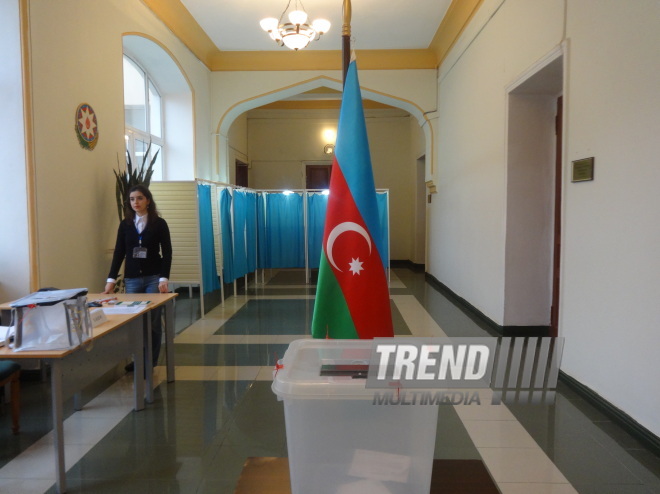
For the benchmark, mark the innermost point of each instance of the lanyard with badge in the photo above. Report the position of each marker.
(140, 252)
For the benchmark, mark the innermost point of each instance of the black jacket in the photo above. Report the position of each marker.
(156, 239)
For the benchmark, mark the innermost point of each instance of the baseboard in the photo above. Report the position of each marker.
(408, 264)
(483, 320)
(539, 331)
(631, 426)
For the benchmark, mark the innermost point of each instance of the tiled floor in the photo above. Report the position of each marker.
(199, 431)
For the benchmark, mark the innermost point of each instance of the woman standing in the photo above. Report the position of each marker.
(141, 239)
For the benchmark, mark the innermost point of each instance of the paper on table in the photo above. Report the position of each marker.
(123, 309)
(133, 303)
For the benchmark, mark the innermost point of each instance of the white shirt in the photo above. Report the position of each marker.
(140, 222)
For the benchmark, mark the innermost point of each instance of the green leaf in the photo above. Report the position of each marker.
(129, 163)
(132, 176)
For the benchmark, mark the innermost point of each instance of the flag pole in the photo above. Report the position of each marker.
(346, 38)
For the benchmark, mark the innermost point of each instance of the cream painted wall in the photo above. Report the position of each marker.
(410, 87)
(238, 145)
(610, 270)
(81, 62)
(280, 141)
(178, 123)
(389, 142)
(14, 260)
(418, 158)
(417, 140)
(277, 175)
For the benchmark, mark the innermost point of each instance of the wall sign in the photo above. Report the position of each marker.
(87, 129)
(583, 170)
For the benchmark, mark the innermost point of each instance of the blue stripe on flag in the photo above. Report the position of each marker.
(353, 157)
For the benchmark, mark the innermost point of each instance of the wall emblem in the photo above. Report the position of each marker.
(87, 129)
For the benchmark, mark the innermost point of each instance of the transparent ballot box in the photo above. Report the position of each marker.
(344, 438)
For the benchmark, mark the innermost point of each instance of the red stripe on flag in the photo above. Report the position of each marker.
(354, 259)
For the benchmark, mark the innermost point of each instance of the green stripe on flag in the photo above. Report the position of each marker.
(332, 318)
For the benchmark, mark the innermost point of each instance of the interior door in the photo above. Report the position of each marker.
(317, 176)
(554, 311)
(241, 174)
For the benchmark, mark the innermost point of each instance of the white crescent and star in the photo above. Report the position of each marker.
(346, 226)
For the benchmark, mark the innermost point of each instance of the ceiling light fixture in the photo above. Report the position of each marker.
(297, 33)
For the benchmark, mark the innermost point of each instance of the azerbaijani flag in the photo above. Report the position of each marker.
(352, 297)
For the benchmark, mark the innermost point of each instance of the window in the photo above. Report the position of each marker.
(143, 111)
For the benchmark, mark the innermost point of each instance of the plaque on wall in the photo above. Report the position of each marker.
(583, 170)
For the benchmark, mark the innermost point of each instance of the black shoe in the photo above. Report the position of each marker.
(130, 367)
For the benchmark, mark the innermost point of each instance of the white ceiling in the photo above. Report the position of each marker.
(233, 25)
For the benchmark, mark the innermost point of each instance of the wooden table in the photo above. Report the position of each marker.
(165, 300)
(120, 337)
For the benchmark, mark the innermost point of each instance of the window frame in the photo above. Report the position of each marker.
(132, 135)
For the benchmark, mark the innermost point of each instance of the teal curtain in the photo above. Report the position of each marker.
(251, 231)
(285, 230)
(263, 252)
(383, 220)
(317, 205)
(240, 220)
(209, 270)
(227, 241)
(269, 231)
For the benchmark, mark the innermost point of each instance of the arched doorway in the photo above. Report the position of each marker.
(284, 141)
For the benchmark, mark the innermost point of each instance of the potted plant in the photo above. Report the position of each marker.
(130, 176)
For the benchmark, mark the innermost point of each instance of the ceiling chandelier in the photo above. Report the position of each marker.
(296, 33)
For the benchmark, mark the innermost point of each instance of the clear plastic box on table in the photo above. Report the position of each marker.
(340, 439)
